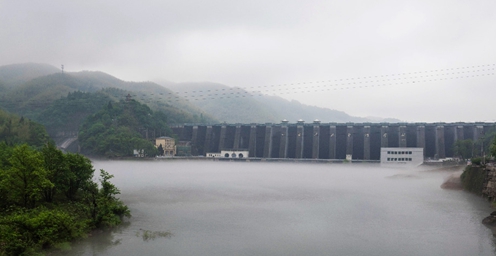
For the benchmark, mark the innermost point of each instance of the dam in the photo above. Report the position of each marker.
(317, 140)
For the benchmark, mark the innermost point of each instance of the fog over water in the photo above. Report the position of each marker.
(247, 208)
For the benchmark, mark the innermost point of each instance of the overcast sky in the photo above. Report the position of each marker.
(257, 43)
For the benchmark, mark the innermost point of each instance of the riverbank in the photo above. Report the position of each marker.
(481, 180)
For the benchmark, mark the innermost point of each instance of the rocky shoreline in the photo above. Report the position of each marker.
(488, 191)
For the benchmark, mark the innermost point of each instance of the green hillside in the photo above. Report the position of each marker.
(18, 130)
(45, 99)
(68, 113)
(33, 97)
(120, 127)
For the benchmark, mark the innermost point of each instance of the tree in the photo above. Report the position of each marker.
(27, 178)
(104, 207)
(483, 145)
(493, 148)
(79, 175)
(55, 167)
(464, 148)
(111, 208)
(160, 150)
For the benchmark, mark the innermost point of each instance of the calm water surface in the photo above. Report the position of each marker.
(243, 208)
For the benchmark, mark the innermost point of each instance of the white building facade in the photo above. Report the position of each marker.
(402, 156)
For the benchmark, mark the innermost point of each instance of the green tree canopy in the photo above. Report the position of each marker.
(464, 148)
(18, 130)
(120, 127)
(48, 197)
(26, 179)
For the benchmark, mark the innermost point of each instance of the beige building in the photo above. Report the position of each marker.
(168, 144)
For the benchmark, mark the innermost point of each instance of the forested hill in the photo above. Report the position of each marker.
(33, 97)
(120, 127)
(17, 130)
(46, 95)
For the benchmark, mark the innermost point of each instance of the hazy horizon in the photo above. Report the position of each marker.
(260, 43)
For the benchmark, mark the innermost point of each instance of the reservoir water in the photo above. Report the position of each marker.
(248, 208)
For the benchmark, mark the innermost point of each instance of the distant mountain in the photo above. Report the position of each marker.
(16, 74)
(226, 104)
(235, 105)
(376, 119)
(30, 89)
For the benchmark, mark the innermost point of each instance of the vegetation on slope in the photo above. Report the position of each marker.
(68, 113)
(33, 94)
(473, 177)
(120, 127)
(31, 98)
(157, 97)
(17, 130)
(47, 197)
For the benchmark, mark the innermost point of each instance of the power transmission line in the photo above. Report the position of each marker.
(409, 78)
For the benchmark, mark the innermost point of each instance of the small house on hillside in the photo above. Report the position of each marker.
(168, 144)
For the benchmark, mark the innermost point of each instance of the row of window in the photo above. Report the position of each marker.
(399, 159)
(399, 152)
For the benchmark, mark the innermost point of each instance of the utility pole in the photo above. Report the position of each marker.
(62, 67)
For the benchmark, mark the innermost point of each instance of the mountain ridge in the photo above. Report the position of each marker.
(32, 85)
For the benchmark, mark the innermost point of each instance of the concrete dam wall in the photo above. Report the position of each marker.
(328, 141)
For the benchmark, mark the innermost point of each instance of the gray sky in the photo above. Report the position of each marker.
(256, 43)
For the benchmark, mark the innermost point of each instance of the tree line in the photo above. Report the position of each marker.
(485, 146)
(120, 127)
(16, 130)
(48, 197)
